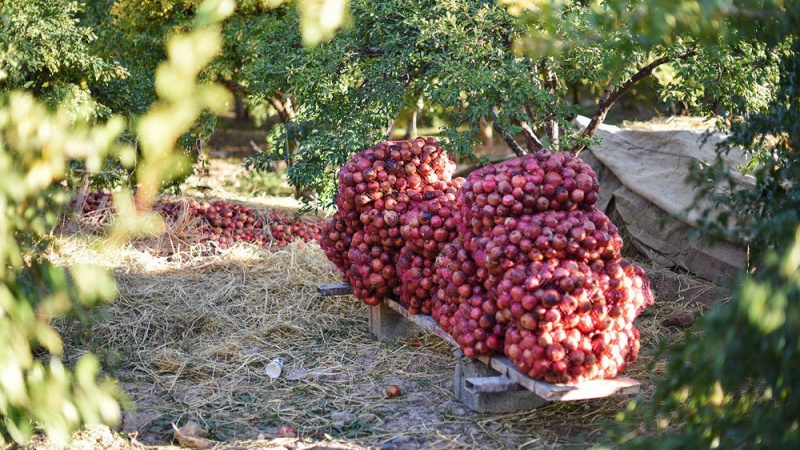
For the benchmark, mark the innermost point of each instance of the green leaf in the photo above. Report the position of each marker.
(319, 19)
(93, 284)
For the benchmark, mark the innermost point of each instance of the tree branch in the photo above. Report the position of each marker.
(505, 135)
(610, 95)
(534, 69)
(282, 102)
(287, 100)
(235, 88)
(281, 108)
(417, 72)
(531, 141)
(372, 51)
(551, 124)
(390, 128)
(535, 82)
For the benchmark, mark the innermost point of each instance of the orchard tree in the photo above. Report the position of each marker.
(45, 50)
(37, 144)
(40, 138)
(731, 383)
(468, 60)
(134, 32)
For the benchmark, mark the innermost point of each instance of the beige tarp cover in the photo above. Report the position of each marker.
(642, 175)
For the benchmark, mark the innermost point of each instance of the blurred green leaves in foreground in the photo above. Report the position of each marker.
(36, 146)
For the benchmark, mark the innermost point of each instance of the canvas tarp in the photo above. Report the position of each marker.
(642, 185)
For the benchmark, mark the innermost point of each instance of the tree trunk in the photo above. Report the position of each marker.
(411, 130)
(507, 137)
(487, 132)
(283, 104)
(241, 112)
(611, 95)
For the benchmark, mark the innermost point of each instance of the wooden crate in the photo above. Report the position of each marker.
(485, 384)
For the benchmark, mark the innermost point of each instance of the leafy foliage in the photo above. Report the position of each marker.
(44, 50)
(735, 387)
(469, 62)
(134, 33)
(36, 147)
(746, 391)
(767, 215)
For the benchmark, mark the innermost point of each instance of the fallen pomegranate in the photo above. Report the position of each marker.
(393, 391)
(221, 223)
(287, 431)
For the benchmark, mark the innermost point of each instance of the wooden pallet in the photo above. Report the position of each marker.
(490, 378)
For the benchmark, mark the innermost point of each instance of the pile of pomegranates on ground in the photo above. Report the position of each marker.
(515, 259)
(222, 223)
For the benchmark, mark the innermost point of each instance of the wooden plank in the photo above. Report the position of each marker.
(425, 322)
(552, 392)
(565, 392)
(480, 385)
(330, 290)
(386, 324)
(594, 389)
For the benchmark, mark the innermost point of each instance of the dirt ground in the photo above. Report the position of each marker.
(188, 342)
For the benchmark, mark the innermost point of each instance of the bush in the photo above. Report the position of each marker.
(737, 386)
(45, 51)
(732, 382)
(36, 147)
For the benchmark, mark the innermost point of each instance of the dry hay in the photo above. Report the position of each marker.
(189, 337)
(671, 123)
(198, 334)
(95, 221)
(180, 235)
